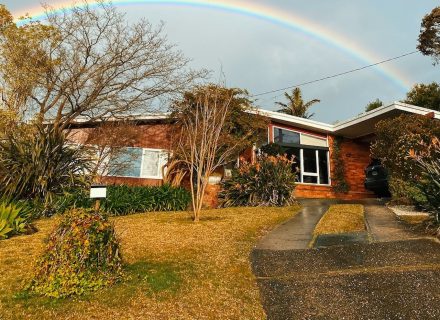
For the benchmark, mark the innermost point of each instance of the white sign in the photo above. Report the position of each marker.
(98, 192)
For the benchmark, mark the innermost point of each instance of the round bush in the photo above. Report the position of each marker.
(268, 182)
(82, 254)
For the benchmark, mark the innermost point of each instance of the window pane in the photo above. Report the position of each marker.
(126, 163)
(309, 179)
(313, 141)
(309, 161)
(323, 167)
(150, 166)
(285, 136)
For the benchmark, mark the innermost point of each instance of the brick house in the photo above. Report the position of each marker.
(310, 141)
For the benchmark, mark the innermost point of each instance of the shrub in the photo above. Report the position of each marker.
(268, 182)
(39, 163)
(82, 254)
(429, 180)
(339, 181)
(123, 200)
(405, 192)
(395, 139)
(13, 220)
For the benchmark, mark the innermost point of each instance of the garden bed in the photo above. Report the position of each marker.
(174, 268)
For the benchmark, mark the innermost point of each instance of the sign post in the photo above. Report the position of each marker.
(98, 192)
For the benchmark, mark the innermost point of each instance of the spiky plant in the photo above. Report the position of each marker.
(40, 164)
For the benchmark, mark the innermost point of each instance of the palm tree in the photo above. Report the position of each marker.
(295, 105)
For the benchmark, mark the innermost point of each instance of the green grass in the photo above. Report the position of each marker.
(341, 218)
(174, 269)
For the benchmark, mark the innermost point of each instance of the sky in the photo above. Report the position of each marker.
(273, 44)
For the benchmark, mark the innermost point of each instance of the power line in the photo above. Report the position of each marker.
(334, 75)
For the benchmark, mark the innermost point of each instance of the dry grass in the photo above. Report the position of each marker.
(341, 218)
(177, 269)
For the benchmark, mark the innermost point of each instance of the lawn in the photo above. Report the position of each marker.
(175, 269)
(341, 218)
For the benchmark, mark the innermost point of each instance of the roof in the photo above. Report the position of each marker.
(359, 126)
(148, 117)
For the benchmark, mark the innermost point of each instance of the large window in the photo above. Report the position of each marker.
(310, 153)
(138, 163)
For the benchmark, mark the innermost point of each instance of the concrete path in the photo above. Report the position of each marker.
(296, 233)
(383, 225)
(394, 274)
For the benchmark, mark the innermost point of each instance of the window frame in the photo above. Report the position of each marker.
(301, 150)
(157, 177)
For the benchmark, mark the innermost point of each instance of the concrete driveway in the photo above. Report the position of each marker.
(392, 273)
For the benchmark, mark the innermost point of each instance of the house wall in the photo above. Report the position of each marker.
(356, 157)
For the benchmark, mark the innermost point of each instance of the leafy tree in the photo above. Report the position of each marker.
(396, 140)
(396, 137)
(213, 127)
(373, 105)
(425, 95)
(296, 105)
(272, 149)
(87, 63)
(429, 38)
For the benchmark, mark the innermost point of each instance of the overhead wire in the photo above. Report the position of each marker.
(332, 76)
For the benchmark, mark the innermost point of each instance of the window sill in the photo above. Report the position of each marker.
(131, 177)
(313, 184)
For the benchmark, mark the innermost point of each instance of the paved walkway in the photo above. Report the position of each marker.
(383, 226)
(296, 233)
(394, 274)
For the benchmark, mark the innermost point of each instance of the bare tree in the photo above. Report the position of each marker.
(88, 63)
(108, 142)
(214, 128)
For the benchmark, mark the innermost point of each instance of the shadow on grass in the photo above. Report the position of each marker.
(157, 280)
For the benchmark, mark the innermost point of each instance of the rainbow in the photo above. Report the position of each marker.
(275, 16)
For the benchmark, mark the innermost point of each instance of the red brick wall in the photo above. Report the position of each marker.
(151, 135)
